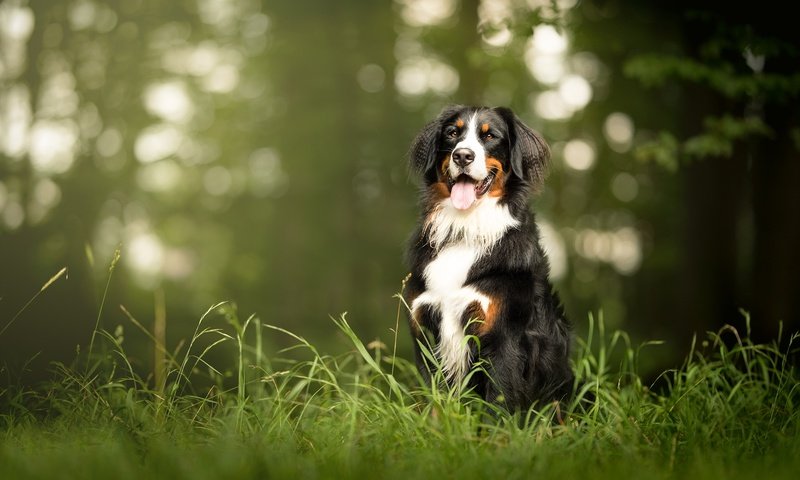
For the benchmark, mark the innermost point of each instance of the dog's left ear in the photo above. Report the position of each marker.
(530, 154)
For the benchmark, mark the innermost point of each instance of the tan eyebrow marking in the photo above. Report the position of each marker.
(485, 127)
(460, 123)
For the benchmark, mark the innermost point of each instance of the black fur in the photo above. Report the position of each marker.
(527, 349)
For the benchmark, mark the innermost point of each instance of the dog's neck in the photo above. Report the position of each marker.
(480, 227)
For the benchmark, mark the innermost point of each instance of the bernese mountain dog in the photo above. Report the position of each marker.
(479, 282)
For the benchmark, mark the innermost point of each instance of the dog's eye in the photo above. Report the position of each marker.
(451, 132)
(488, 136)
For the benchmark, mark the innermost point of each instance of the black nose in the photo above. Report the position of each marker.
(463, 157)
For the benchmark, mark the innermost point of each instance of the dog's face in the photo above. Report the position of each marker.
(471, 153)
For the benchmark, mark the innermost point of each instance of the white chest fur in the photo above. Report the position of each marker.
(445, 291)
(460, 238)
(481, 226)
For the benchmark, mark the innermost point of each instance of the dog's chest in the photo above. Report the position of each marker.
(448, 271)
(447, 293)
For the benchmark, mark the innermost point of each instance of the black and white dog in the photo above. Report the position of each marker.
(477, 268)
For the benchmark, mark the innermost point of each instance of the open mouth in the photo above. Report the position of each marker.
(465, 190)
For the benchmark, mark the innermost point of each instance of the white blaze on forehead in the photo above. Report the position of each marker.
(471, 141)
(477, 169)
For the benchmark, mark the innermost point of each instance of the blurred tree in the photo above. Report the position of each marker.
(732, 77)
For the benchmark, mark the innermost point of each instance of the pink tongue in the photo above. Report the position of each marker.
(463, 195)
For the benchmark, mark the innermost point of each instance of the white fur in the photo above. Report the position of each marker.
(477, 169)
(480, 226)
(461, 238)
(445, 291)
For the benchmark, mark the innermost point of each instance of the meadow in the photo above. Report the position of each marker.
(729, 411)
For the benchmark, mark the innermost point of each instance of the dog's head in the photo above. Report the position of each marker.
(470, 153)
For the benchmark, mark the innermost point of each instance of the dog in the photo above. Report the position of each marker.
(478, 270)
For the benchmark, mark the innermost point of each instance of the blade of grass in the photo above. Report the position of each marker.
(47, 284)
(111, 268)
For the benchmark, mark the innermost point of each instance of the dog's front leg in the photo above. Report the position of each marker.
(423, 321)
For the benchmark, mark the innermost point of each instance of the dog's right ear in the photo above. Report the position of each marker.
(425, 147)
(422, 155)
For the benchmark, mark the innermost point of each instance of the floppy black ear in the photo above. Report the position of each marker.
(425, 148)
(530, 154)
(422, 154)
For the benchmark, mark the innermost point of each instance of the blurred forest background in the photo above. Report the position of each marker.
(254, 151)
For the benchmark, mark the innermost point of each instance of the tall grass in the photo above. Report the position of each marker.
(728, 411)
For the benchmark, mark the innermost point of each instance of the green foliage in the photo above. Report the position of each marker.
(730, 410)
(718, 140)
(664, 151)
(729, 76)
(656, 70)
(721, 133)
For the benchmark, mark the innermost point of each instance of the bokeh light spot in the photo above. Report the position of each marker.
(555, 248)
(46, 193)
(550, 106)
(498, 38)
(419, 13)
(579, 154)
(52, 145)
(419, 75)
(145, 256)
(217, 180)
(156, 142)
(13, 214)
(266, 175)
(82, 15)
(575, 91)
(16, 22)
(548, 41)
(15, 119)
(618, 130)
(545, 68)
(371, 78)
(625, 187)
(109, 142)
(169, 101)
(620, 248)
(161, 176)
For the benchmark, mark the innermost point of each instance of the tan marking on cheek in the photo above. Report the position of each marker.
(439, 191)
(498, 185)
(494, 164)
(460, 123)
(485, 128)
(445, 165)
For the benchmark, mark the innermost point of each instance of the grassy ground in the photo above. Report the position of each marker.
(728, 412)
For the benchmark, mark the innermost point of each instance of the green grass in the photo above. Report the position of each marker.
(728, 412)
